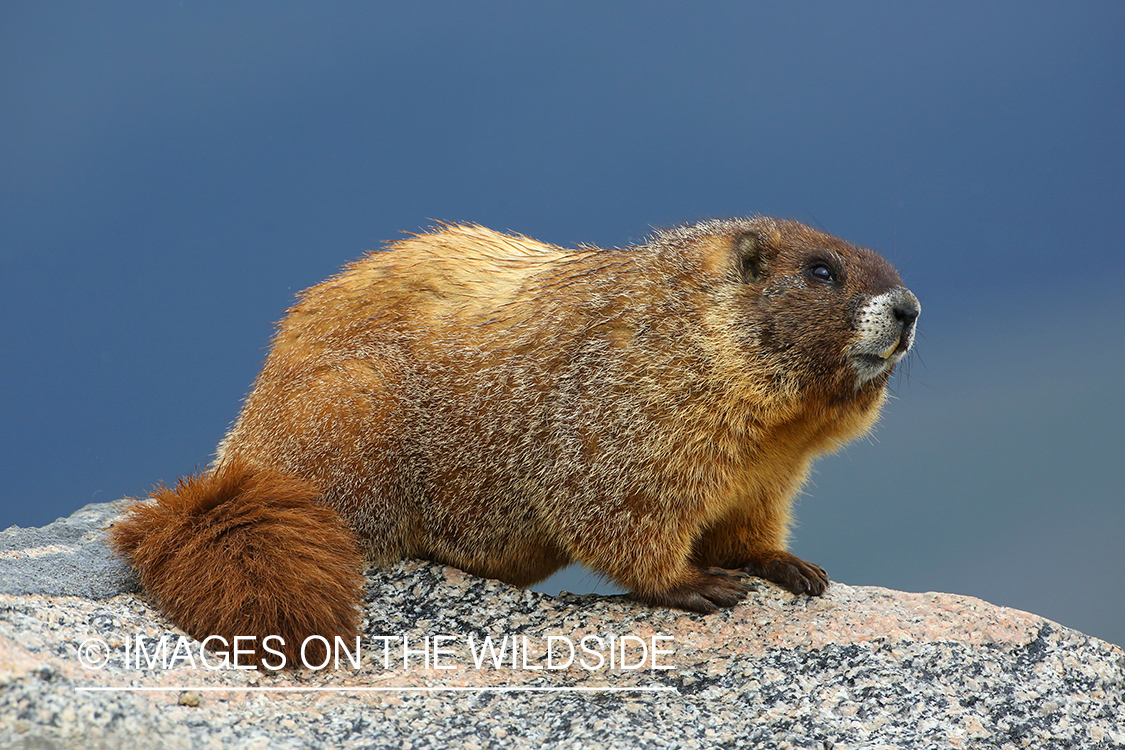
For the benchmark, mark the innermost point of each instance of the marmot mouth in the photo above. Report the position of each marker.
(885, 330)
(869, 366)
(890, 350)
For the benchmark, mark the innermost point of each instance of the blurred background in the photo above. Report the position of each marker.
(172, 174)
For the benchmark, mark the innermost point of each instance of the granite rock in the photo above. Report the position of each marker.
(66, 558)
(487, 664)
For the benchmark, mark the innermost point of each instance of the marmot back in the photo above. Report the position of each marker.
(508, 407)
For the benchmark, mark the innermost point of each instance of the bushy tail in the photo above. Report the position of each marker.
(247, 551)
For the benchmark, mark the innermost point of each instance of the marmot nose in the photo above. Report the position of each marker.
(906, 309)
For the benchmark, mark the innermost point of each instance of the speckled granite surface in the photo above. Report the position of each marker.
(858, 668)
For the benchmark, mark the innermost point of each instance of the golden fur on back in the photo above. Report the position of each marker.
(508, 407)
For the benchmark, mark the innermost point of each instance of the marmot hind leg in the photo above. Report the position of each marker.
(247, 551)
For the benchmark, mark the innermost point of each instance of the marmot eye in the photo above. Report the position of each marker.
(821, 272)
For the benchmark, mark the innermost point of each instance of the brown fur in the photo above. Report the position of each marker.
(508, 407)
(247, 552)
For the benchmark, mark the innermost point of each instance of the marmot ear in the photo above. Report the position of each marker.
(753, 250)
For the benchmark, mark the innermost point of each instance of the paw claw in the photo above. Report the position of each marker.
(706, 592)
(791, 572)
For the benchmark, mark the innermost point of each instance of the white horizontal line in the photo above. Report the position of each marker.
(362, 689)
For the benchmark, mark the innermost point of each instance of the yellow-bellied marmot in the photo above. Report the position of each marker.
(508, 407)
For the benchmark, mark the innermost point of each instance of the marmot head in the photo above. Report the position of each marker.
(838, 315)
(818, 314)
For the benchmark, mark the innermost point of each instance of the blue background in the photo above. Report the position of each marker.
(171, 175)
